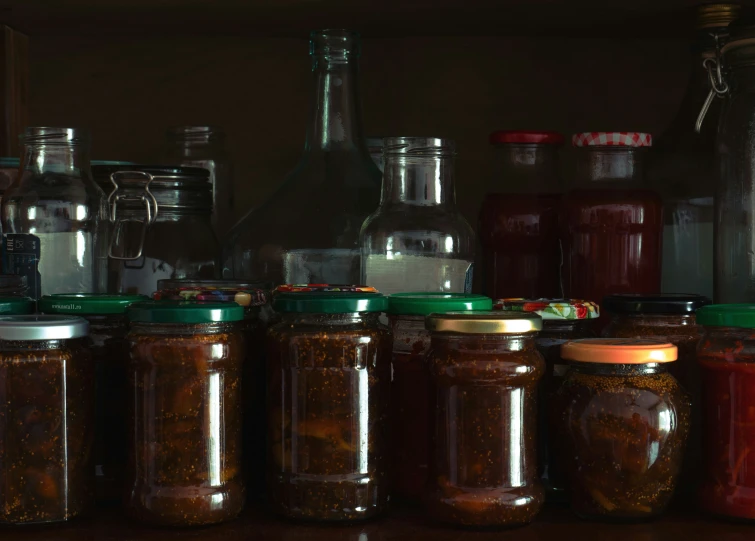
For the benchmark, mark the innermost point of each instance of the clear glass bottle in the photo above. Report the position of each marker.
(204, 146)
(417, 240)
(681, 164)
(54, 216)
(308, 232)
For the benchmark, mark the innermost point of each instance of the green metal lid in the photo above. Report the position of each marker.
(185, 312)
(329, 302)
(16, 306)
(423, 304)
(727, 315)
(87, 303)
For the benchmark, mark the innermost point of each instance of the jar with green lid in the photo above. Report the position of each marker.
(484, 369)
(185, 413)
(16, 306)
(410, 385)
(108, 327)
(329, 361)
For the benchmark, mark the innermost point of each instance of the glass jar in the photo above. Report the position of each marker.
(47, 428)
(8, 172)
(417, 240)
(162, 227)
(727, 363)
(375, 148)
(410, 384)
(55, 217)
(623, 422)
(308, 232)
(185, 418)
(610, 226)
(518, 222)
(108, 327)
(204, 147)
(484, 369)
(563, 320)
(329, 380)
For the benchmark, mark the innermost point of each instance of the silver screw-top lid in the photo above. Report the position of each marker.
(42, 327)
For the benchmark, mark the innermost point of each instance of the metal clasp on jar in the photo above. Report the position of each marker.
(145, 197)
(718, 85)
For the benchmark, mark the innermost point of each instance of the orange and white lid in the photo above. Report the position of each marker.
(619, 351)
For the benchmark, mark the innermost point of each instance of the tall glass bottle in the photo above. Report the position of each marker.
(308, 232)
(417, 240)
(55, 218)
(681, 166)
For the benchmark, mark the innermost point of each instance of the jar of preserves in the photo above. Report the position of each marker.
(47, 420)
(623, 422)
(518, 222)
(563, 320)
(727, 363)
(161, 226)
(484, 371)
(108, 327)
(410, 385)
(329, 361)
(185, 413)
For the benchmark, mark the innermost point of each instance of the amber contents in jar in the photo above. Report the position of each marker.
(484, 368)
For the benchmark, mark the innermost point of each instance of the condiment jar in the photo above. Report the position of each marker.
(329, 361)
(563, 320)
(410, 385)
(47, 429)
(484, 369)
(623, 422)
(185, 422)
(727, 364)
(108, 327)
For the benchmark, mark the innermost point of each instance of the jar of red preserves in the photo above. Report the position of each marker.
(727, 363)
(518, 222)
(563, 320)
(484, 371)
(185, 418)
(329, 374)
(410, 386)
(611, 226)
(622, 422)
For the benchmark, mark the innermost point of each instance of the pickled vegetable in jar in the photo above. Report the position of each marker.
(185, 413)
(108, 327)
(329, 374)
(484, 371)
(623, 422)
(46, 420)
(410, 385)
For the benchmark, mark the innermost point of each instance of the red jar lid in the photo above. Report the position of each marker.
(612, 138)
(503, 137)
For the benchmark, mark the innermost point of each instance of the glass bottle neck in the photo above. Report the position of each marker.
(64, 159)
(426, 181)
(526, 168)
(613, 166)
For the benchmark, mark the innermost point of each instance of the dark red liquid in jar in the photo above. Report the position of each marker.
(519, 234)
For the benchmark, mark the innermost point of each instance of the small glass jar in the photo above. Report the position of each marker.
(47, 428)
(185, 422)
(563, 320)
(108, 327)
(410, 384)
(484, 369)
(328, 387)
(623, 422)
(727, 364)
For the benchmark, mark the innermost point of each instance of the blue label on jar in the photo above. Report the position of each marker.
(21, 253)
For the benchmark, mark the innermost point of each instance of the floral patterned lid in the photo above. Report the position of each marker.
(308, 288)
(551, 308)
(246, 298)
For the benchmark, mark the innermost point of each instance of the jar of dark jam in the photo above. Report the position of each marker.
(329, 362)
(484, 371)
(47, 421)
(563, 320)
(410, 386)
(623, 422)
(108, 327)
(185, 413)
(727, 364)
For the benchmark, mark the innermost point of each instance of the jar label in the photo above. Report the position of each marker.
(21, 253)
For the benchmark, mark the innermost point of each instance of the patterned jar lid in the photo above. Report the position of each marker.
(244, 297)
(308, 288)
(549, 309)
(619, 138)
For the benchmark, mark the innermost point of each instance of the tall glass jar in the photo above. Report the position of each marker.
(54, 216)
(204, 147)
(518, 223)
(417, 240)
(308, 232)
